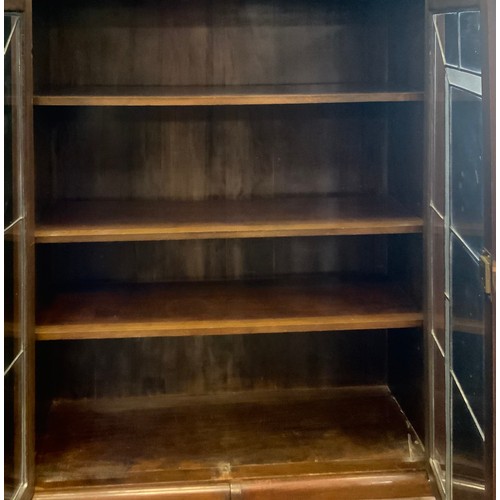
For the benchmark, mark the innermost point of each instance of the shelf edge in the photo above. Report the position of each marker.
(46, 235)
(227, 327)
(225, 100)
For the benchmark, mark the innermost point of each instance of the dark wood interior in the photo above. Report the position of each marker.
(208, 170)
(125, 220)
(232, 95)
(237, 435)
(123, 43)
(223, 308)
(261, 443)
(241, 152)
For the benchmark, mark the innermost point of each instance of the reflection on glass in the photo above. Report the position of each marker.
(438, 278)
(12, 339)
(459, 39)
(439, 447)
(12, 116)
(8, 24)
(437, 179)
(9, 300)
(466, 167)
(451, 38)
(13, 354)
(8, 156)
(468, 452)
(12, 430)
(12, 192)
(459, 151)
(467, 360)
(470, 41)
(468, 327)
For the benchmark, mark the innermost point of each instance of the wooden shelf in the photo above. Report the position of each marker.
(222, 308)
(225, 437)
(82, 221)
(221, 95)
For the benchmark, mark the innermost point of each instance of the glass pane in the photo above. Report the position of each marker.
(9, 22)
(468, 452)
(12, 430)
(12, 100)
(438, 278)
(451, 39)
(470, 41)
(8, 198)
(468, 368)
(447, 32)
(437, 181)
(466, 167)
(13, 355)
(463, 490)
(439, 447)
(12, 282)
(468, 327)
(458, 150)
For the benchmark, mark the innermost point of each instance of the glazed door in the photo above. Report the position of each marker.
(18, 432)
(461, 285)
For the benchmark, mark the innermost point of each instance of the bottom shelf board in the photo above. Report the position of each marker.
(227, 437)
(306, 304)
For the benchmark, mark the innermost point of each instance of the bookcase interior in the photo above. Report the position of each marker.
(229, 240)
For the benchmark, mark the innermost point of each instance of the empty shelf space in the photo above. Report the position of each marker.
(230, 436)
(223, 308)
(221, 95)
(82, 221)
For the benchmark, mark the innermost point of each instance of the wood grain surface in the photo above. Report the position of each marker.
(221, 95)
(167, 121)
(145, 491)
(14, 5)
(248, 42)
(225, 437)
(222, 308)
(80, 221)
(114, 368)
(393, 485)
(199, 153)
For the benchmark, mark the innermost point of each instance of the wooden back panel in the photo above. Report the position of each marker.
(198, 365)
(210, 364)
(65, 265)
(220, 152)
(217, 42)
(200, 153)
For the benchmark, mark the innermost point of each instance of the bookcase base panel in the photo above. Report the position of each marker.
(245, 437)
